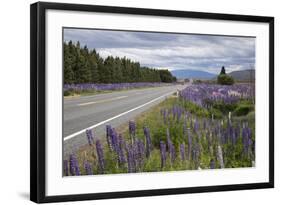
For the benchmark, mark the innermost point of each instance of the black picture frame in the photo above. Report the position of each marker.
(38, 100)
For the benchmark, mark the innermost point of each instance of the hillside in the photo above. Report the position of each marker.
(243, 75)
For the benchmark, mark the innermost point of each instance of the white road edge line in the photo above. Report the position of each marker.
(124, 113)
(102, 101)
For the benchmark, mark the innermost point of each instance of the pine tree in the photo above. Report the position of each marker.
(68, 72)
(94, 67)
(222, 71)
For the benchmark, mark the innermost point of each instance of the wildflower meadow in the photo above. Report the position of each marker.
(203, 126)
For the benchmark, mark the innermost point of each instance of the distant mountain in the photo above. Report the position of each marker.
(243, 75)
(195, 74)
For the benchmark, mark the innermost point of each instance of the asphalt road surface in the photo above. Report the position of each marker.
(116, 108)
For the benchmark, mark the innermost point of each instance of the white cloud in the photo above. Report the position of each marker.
(173, 51)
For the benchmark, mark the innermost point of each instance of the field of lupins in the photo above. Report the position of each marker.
(89, 87)
(205, 126)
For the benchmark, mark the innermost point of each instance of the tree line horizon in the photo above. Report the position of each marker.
(84, 65)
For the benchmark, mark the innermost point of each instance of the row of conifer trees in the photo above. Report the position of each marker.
(83, 65)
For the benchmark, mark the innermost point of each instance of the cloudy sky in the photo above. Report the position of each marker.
(171, 51)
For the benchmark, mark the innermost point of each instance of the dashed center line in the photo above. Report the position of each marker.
(102, 101)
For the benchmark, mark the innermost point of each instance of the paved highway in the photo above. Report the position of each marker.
(116, 108)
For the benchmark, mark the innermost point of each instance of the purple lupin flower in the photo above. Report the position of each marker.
(132, 130)
(179, 112)
(148, 146)
(172, 153)
(88, 168)
(182, 152)
(250, 142)
(130, 159)
(108, 135)
(249, 132)
(212, 164)
(196, 126)
(189, 145)
(120, 152)
(90, 137)
(109, 86)
(139, 153)
(246, 139)
(196, 154)
(185, 128)
(73, 165)
(141, 148)
(65, 167)
(237, 133)
(132, 127)
(100, 156)
(163, 153)
(114, 139)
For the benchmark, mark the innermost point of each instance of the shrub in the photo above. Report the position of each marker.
(225, 79)
(197, 81)
(66, 93)
(225, 107)
(243, 109)
(195, 109)
(217, 114)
